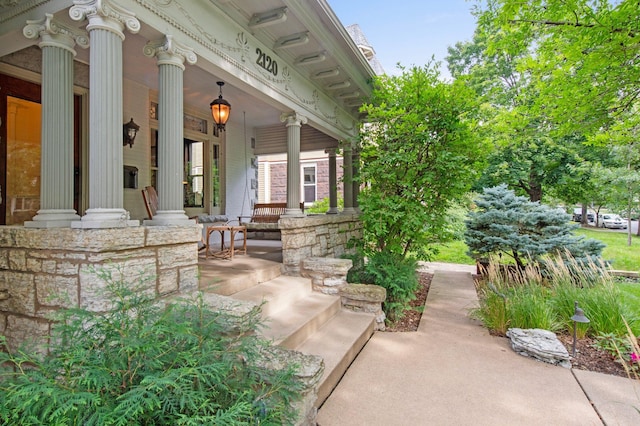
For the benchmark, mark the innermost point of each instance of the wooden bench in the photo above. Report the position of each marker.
(265, 216)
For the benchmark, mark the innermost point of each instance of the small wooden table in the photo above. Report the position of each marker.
(226, 253)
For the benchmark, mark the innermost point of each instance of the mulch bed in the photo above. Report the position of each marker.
(588, 357)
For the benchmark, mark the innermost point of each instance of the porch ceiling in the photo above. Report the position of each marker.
(299, 32)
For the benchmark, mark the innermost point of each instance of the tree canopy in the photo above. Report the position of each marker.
(583, 56)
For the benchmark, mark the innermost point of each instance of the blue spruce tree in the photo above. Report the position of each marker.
(506, 224)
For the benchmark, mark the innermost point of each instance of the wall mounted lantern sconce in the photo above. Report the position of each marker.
(129, 132)
(220, 109)
(578, 317)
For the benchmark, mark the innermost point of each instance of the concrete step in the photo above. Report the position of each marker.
(277, 294)
(292, 326)
(233, 277)
(338, 342)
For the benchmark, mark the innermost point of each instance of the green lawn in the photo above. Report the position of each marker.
(617, 251)
(621, 256)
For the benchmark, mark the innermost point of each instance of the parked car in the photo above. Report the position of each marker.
(611, 221)
(577, 215)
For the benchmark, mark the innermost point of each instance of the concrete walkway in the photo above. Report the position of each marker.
(452, 372)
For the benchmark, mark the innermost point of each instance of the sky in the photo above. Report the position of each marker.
(409, 31)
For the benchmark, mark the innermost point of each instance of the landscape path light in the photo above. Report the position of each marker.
(578, 317)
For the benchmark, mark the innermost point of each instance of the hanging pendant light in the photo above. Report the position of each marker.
(220, 109)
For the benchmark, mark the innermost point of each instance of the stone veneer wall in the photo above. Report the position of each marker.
(43, 270)
(316, 236)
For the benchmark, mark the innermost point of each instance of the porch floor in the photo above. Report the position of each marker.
(261, 255)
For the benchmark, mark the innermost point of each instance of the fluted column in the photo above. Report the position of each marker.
(347, 177)
(333, 182)
(57, 43)
(293, 122)
(170, 56)
(107, 21)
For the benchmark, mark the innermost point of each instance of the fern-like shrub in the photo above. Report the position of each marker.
(395, 273)
(146, 363)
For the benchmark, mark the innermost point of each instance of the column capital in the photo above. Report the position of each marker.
(54, 33)
(331, 151)
(170, 52)
(293, 119)
(104, 14)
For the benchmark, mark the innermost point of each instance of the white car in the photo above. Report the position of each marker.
(611, 221)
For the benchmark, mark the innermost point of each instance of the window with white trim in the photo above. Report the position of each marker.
(309, 183)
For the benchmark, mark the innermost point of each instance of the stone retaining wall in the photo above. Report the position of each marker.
(316, 236)
(43, 270)
(329, 276)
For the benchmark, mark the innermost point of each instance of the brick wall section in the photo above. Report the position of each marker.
(278, 177)
(316, 236)
(43, 270)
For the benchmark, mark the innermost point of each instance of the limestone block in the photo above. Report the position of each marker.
(168, 281)
(291, 259)
(67, 268)
(365, 298)
(49, 266)
(178, 255)
(121, 255)
(32, 332)
(21, 291)
(321, 288)
(364, 292)
(310, 369)
(188, 279)
(68, 239)
(67, 255)
(298, 240)
(33, 265)
(170, 235)
(4, 258)
(18, 260)
(3, 322)
(57, 291)
(542, 345)
(328, 267)
(95, 279)
(109, 240)
(322, 230)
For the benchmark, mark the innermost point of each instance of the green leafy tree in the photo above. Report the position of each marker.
(526, 155)
(146, 364)
(419, 154)
(583, 55)
(510, 225)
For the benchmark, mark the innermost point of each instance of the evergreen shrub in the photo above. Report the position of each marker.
(506, 225)
(397, 274)
(145, 363)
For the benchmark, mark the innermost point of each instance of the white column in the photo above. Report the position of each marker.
(56, 168)
(107, 21)
(294, 122)
(347, 178)
(170, 56)
(333, 182)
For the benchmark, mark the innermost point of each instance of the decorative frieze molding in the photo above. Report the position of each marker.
(56, 34)
(241, 53)
(170, 52)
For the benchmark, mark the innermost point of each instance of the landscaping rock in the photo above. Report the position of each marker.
(542, 345)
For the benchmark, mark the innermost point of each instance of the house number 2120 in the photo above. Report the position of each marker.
(266, 62)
